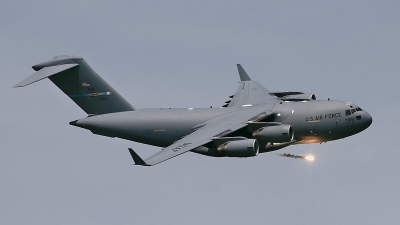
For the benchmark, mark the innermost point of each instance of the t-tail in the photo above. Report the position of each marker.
(80, 83)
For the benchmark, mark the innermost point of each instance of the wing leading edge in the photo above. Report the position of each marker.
(217, 127)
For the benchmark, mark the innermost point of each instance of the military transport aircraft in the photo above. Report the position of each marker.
(253, 121)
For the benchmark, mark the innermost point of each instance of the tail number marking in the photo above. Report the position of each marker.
(181, 146)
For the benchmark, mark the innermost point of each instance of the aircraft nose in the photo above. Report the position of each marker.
(367, 120)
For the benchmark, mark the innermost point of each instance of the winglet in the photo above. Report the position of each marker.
(243, 75)
(136, 158)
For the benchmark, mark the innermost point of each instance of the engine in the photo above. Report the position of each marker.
(240, 148)
(276, 134)
(294, 96)
(299, 97)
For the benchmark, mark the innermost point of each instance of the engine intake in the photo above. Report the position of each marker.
(241, 148)
(277, 134)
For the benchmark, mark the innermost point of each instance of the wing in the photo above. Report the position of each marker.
(250, 92)
(219, 126)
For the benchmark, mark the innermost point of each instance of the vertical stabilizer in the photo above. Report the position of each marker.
(80, 83)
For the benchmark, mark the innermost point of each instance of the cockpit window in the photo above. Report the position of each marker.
(359, 109)
(351, 111)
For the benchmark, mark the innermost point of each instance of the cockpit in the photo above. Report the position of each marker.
(353, 109)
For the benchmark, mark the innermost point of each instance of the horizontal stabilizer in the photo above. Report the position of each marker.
(44, 73)
(136, 158)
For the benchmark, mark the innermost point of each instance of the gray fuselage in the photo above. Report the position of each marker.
(313, 121)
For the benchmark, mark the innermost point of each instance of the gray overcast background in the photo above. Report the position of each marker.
(184, 54)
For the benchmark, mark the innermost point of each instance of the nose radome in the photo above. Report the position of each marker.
(367, 120)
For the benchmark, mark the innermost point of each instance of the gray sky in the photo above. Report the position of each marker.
(183, 54)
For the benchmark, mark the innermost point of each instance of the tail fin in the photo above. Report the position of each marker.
(81, 83)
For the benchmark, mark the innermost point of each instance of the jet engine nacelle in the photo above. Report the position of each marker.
(294, 96)
(277, 134)
(299, 97)
(240, 148)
